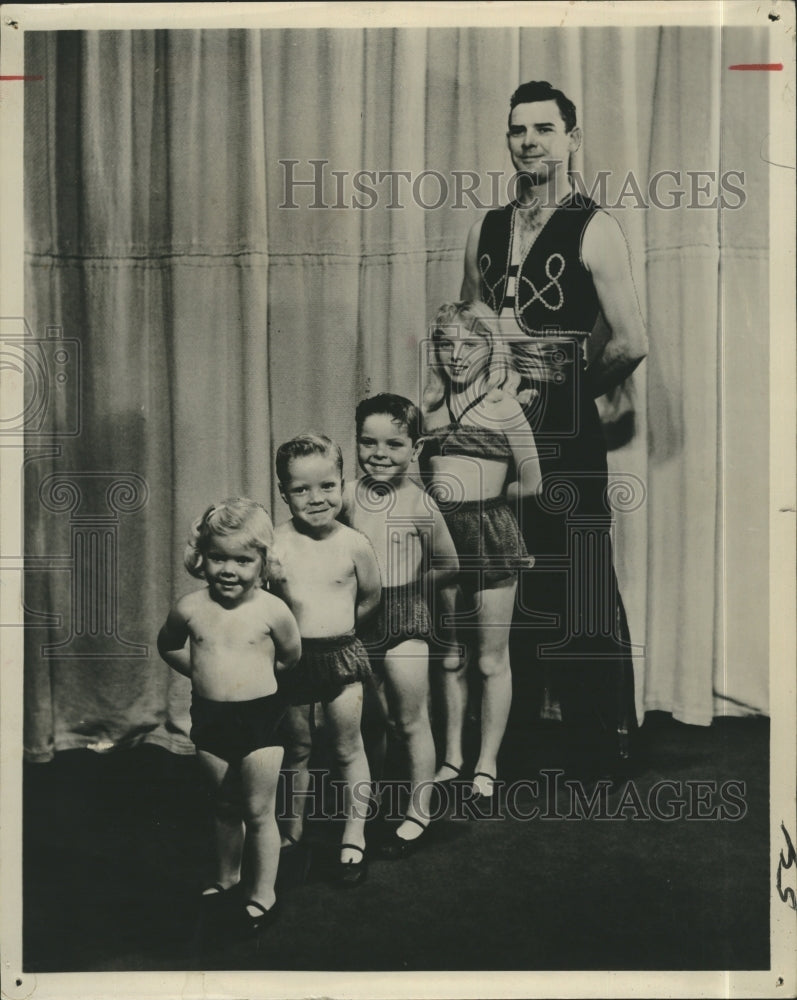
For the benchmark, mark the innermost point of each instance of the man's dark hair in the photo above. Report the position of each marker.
(400, 410)
(541, 90)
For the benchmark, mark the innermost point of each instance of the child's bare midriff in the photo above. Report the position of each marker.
(463, 479)
(317, 578)
(232, 652)
(393, 533)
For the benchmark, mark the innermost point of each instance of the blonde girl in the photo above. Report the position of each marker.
(230, 637)
(478, 459)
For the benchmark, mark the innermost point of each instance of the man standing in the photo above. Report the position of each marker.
(551, 264)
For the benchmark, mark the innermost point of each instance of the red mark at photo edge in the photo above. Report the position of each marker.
(758, 66)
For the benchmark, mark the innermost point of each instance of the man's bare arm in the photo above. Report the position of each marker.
(605, 254)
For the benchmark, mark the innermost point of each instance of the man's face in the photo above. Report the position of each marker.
(538, 143)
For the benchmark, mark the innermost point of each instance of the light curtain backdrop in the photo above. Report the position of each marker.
(214, 324)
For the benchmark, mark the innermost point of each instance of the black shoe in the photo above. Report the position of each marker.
(216, 897)
(265, 918)
(485, 804)
(214, 892)
(480, 796)
(454, 777)
(396, 848)
(351, 873)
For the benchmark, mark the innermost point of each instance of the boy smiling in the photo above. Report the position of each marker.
(415, 553)
(327, 574)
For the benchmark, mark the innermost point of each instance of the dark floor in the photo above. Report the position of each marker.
(116, 847)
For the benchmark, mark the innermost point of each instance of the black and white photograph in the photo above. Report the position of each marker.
(398, 500)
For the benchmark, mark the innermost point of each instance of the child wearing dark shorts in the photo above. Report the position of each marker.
(228, 638)
(328, 575)
(487, 536)
(231, 730)
(328, 665)
(416, 557)
(402, 615)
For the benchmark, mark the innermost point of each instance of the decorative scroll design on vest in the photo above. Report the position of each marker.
(538, 295)
(491, 298)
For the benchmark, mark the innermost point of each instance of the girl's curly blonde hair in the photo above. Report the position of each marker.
(234, 516)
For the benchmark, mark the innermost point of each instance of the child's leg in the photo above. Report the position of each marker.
(407, 681)
(298, 746)
(374, 728)
(453, 678)
(494, 613)
(259, 776)
(343, 716)
(455, 701)
(227, 817)
(454, 683)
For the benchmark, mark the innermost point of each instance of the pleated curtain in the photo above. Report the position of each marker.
(213, 320)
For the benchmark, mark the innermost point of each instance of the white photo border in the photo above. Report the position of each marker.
(780, 980)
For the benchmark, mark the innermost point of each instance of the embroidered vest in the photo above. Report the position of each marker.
(553, 289)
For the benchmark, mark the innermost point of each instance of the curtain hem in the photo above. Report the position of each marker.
(181, 746)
